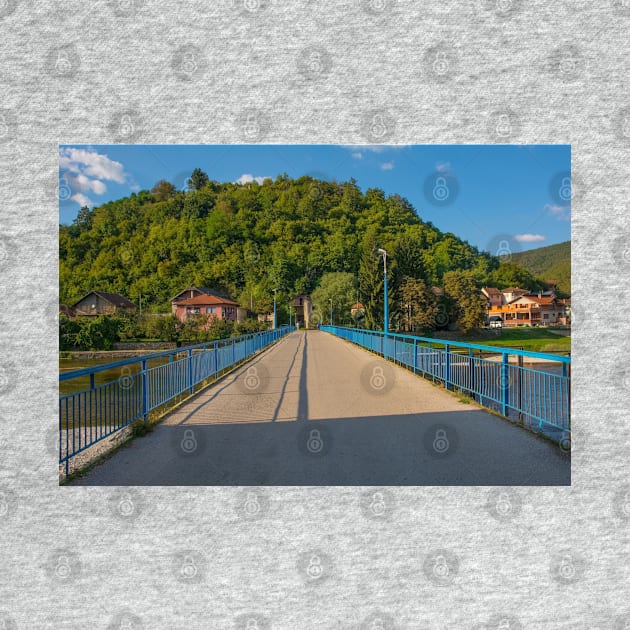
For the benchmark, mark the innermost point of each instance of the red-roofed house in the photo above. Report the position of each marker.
(208, 305)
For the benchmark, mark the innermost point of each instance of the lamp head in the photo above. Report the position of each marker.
(381, 251)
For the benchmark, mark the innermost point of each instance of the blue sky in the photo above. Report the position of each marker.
(489, 195)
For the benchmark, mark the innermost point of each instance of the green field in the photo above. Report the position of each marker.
(534, 339)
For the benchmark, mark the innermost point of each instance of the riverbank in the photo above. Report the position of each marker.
(533, 339)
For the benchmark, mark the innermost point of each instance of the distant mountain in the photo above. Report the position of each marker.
(549, 263)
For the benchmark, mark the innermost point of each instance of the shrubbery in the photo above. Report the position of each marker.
(100, 333)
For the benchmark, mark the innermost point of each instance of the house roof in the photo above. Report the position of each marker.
(113, 298)
(207, 300)
(545, 299)
(437, 291)
(356, 306)
(205, 290)
(492, 291)
(514, 290)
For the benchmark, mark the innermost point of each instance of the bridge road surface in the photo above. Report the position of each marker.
(315, 410)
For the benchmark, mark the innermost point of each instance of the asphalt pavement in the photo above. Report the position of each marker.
(316, 410)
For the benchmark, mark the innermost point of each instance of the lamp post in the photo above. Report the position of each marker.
(275, 319)
(386, 305)
(331, 319)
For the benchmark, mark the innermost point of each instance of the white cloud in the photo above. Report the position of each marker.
(248, 178)
(82, 200)
(92, 164)
(529, 238)
(443, 167)
(85, 184)
(387, 166)
(562, 213)
(86, 171)
(357, 155)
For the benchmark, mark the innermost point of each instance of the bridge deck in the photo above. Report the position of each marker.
(315, 410)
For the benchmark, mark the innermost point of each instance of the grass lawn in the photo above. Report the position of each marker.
(534, 339)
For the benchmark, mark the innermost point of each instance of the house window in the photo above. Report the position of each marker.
(545, 316)
(210, 310)
(193, 310)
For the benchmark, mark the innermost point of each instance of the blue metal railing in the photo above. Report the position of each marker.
(537, 396)
(144, 384)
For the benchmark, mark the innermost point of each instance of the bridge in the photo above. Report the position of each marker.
(334, 406)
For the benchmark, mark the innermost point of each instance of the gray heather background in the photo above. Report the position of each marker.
(334, 72)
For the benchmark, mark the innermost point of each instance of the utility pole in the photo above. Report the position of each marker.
(275, 318)
(386, 305)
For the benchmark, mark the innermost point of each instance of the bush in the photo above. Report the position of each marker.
(68, 330)
(98, 334)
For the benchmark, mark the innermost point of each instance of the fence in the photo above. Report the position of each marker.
(143, 385)
(537, 395)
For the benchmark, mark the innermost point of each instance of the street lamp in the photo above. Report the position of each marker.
(275, 319)
(331, 320)
(383, 253)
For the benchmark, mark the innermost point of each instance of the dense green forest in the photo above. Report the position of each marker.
(247, 239)
(550, 263)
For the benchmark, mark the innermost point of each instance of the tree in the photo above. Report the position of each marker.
(341, 288)
(510, 274)
(468, 306)
(163, 190)
(371, 283)
(68, 330)
(98, 333)
(241, 239)
(197, 180)
(84, 218)
(418, 305)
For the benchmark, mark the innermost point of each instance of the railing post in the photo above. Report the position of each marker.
(520, 388)
(471, 363)
(233, 350)
(215, 352)
(447, 367)
(505, 392)
(415, 356)
(191, 385)
(145, 392)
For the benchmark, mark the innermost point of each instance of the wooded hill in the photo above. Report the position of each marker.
(245, 240)
(549, 263)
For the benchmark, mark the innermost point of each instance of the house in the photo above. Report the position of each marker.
(511, 293)
(192, 292)
(565, 318)
(532, 310)
(208, 305)
(493, 296)
(97, 303)
(303, 310)
(519, 307)
(266, 318)
(357, 310)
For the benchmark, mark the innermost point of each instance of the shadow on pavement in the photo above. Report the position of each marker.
(414, 449)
